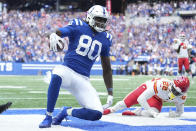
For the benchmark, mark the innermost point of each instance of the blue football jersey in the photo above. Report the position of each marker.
(84, 46)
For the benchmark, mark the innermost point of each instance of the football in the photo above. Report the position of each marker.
(58, 47)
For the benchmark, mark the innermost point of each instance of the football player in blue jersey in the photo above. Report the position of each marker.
(88, 39)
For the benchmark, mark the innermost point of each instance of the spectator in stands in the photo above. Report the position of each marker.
(24, 40)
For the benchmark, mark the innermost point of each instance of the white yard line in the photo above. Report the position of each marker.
(40, 98)
(15, 87)
(31, 122)
(114, 79)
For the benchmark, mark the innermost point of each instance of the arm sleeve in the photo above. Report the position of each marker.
(142, 99)
(68, 30)
(179, 103)
(176, 46)
(65, 31)
(179, 109)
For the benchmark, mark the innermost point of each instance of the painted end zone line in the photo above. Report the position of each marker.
(29, 119)
(26, 111)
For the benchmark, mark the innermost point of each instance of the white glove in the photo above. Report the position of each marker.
(109, 102)
(173, 114)
(153, 113)
(54, 41)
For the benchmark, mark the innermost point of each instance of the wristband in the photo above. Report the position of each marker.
(109, 89)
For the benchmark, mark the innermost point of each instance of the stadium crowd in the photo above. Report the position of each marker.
(23, 36)
(160, 9)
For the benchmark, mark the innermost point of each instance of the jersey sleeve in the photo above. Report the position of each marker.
(106, 50)
(70, 29)
(175, 46)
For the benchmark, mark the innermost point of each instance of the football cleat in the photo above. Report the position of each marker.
(62, 114)
(46, 123)
(4, 107)
(106, 111)
(128, 113)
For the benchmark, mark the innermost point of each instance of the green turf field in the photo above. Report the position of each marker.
(31, 91)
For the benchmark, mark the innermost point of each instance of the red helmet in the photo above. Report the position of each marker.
(183, 83)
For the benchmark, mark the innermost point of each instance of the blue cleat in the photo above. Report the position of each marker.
(46, 123)
(63, 114)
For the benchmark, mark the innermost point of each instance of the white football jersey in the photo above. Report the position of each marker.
(184, 48)
(161, 88)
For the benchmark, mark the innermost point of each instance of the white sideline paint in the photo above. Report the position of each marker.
(27, 123)
(163, 119)
(31, 122)
(114, 79)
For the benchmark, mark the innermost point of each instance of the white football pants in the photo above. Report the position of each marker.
(80, 87)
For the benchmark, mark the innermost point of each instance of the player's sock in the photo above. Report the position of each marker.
(53, 92)
(87, 114)
(119, 106)
(106, 111)
(128, 113)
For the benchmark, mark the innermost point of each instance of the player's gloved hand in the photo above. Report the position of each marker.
(173, 114)
(54, 41)
(181, 44)
(153, 113)
(109, 102)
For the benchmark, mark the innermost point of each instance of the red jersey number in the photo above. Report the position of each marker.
(165, 85)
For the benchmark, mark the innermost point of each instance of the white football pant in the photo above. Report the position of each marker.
(80, 87)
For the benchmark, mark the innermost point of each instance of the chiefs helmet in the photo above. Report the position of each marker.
(181, 85)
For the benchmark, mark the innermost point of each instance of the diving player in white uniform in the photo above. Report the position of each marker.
(151, 95)
(87, 40)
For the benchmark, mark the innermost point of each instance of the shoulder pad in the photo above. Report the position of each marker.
(76, 22)
(109, 36)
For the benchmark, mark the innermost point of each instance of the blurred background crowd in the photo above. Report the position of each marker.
(23, 36)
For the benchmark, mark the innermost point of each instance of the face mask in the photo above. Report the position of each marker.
(171, 96)
(175, 91)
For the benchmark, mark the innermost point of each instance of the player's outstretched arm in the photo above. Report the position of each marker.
(58, 32)
(4, 107)
(179, 110)
(142, 100)
(107, 76)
